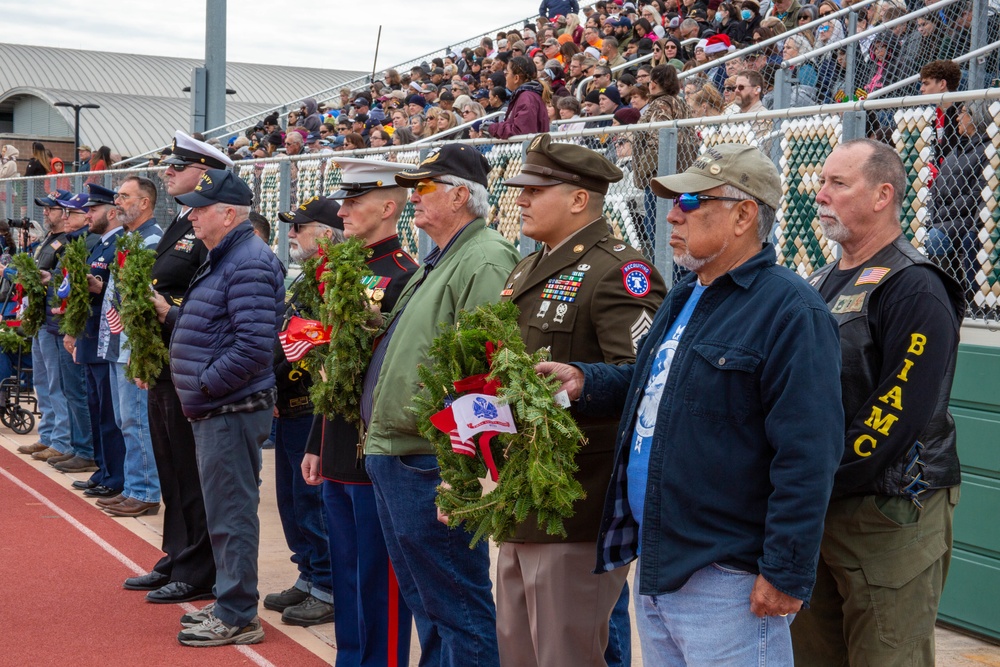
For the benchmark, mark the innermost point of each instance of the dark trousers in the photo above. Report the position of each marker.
(228, 449)
(186, 542)
(373, 622)
(300, 507)
(109, 445)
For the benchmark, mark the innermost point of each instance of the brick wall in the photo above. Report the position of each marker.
(60, 148)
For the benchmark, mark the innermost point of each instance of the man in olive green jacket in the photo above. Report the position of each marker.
(446, 585)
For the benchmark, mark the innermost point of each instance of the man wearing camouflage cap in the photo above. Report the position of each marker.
(588, 297)
(731, 430)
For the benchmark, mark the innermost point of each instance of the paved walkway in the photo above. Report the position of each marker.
(277, 572)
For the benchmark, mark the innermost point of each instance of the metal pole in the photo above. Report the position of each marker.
(666, 165)
(424, 242)
(284, 204)
(782, 95)
(978, 38)
(76, 139)
(852, 56)
(525, 244)
(215, 63)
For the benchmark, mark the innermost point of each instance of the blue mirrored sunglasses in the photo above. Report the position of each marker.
(691, 202)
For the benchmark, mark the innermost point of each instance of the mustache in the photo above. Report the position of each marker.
(827, 212)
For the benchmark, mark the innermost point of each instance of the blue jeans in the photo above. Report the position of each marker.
(445, 583)
(709, 622)
(300, 507)
(619, 651)
(73, 377)
(40, 379)
(59, 436)
(132, 415)
(228, 451)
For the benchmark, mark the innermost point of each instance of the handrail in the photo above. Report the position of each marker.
(463, 126)
(742, 53)
(857, 37)
(632, 63)
(321, 95)
(965, 57)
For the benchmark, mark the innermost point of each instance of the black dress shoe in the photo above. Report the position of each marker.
(101, 491)
(178, 591)
(83, 485)
(147, 582)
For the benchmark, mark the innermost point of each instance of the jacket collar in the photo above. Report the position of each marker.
(744, 274)
(237, 235)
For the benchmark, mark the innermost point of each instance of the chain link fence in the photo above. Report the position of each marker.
(949, 149)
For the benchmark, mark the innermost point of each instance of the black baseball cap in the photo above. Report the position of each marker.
(449, 160)
(317, 209)
(218, 186)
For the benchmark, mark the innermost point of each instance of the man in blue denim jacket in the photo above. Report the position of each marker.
(730, 429)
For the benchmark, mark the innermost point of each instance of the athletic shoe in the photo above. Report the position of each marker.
(213, 632)
(198, 616)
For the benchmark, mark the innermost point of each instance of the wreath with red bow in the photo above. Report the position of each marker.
(534, 468)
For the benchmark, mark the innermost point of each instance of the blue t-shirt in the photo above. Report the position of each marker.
(645, 422)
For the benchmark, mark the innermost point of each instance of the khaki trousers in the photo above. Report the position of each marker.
(883, 564)
(552, 611)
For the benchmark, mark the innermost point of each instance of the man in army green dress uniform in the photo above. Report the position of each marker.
(587, 297)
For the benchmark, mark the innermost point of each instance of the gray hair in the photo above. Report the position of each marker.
(979, 113)
(802, 44)
(883, 166)
(765, 214)
(479, 198)
(242, 212)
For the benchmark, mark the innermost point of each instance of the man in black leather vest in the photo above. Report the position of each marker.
(887, 540)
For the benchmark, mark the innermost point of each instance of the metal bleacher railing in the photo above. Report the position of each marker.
(239, 125)
(801, 138)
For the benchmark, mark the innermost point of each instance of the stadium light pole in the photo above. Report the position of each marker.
(76, 130)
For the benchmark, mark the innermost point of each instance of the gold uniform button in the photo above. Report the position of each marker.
(578, 247)
(154, 280)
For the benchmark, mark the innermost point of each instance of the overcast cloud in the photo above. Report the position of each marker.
(331, 35)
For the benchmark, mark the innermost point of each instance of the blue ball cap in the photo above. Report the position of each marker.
(78, 202)
(218, 186)
(52, 199)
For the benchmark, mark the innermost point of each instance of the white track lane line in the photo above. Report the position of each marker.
(257, 658)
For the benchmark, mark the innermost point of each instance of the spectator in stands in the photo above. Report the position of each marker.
(952, 240)
(729, 96)
(569, 110)
(785, 11)
(83, 154)
(883, 53)
(640, 97)
(807, 14)
(609, 100)
(727, 20)
(311, 119)
(609, 51)
(830, 32)
(418, 126)
(941, 76)
(403, 136)
(354, 141)
(8, 161)
(526, 112)
(573, 28)
(706, 102)
(101, 159)
(929, 29)
(750, 18)
(796, 45)
(294, 143)
(664, 104)
(56, 164)
(400, 118)
(39, 163)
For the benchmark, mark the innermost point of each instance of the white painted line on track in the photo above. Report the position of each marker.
(251, 654)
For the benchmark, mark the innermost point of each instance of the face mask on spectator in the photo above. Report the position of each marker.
(746, 14)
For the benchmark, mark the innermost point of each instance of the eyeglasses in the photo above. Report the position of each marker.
(427, 187)
(741, 87)
(466, 111)
(119, 195)
(298, 226)
(729, 89)
(688, 202)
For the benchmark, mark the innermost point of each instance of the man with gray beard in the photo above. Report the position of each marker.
(887, 536)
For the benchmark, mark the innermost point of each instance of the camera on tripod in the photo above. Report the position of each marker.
(23, 223)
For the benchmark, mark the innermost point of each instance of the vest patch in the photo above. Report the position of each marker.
(849, 303)
(872, 275)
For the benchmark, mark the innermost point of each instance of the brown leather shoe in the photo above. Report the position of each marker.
(52, 460)
(46, 454)
(132, 507)
(76, 464)
(32, 448)
(107, 502)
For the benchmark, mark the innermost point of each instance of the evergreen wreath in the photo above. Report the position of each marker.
(32, 290)
(536, 465)
(133, 274)
(74, 263)
(13, 342)
(336, 296)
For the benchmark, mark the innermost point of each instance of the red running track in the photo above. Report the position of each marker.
(62, 564)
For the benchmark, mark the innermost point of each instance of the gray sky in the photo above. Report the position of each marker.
(331, 35)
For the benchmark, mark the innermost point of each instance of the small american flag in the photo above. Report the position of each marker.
(114, 321)
(460, 446)
(872, 275)
(294, 350)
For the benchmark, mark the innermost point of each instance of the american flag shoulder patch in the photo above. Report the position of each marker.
(872, 275)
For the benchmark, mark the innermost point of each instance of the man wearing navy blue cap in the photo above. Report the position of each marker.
(188, 565)
(221, 362)
(54, 425)
(109, 446)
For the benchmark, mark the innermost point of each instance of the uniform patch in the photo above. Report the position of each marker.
(640, 328)
(849, 303)
(583, 267)
(563, 288)
(508, 290)
(872, 275)
(635, 276)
